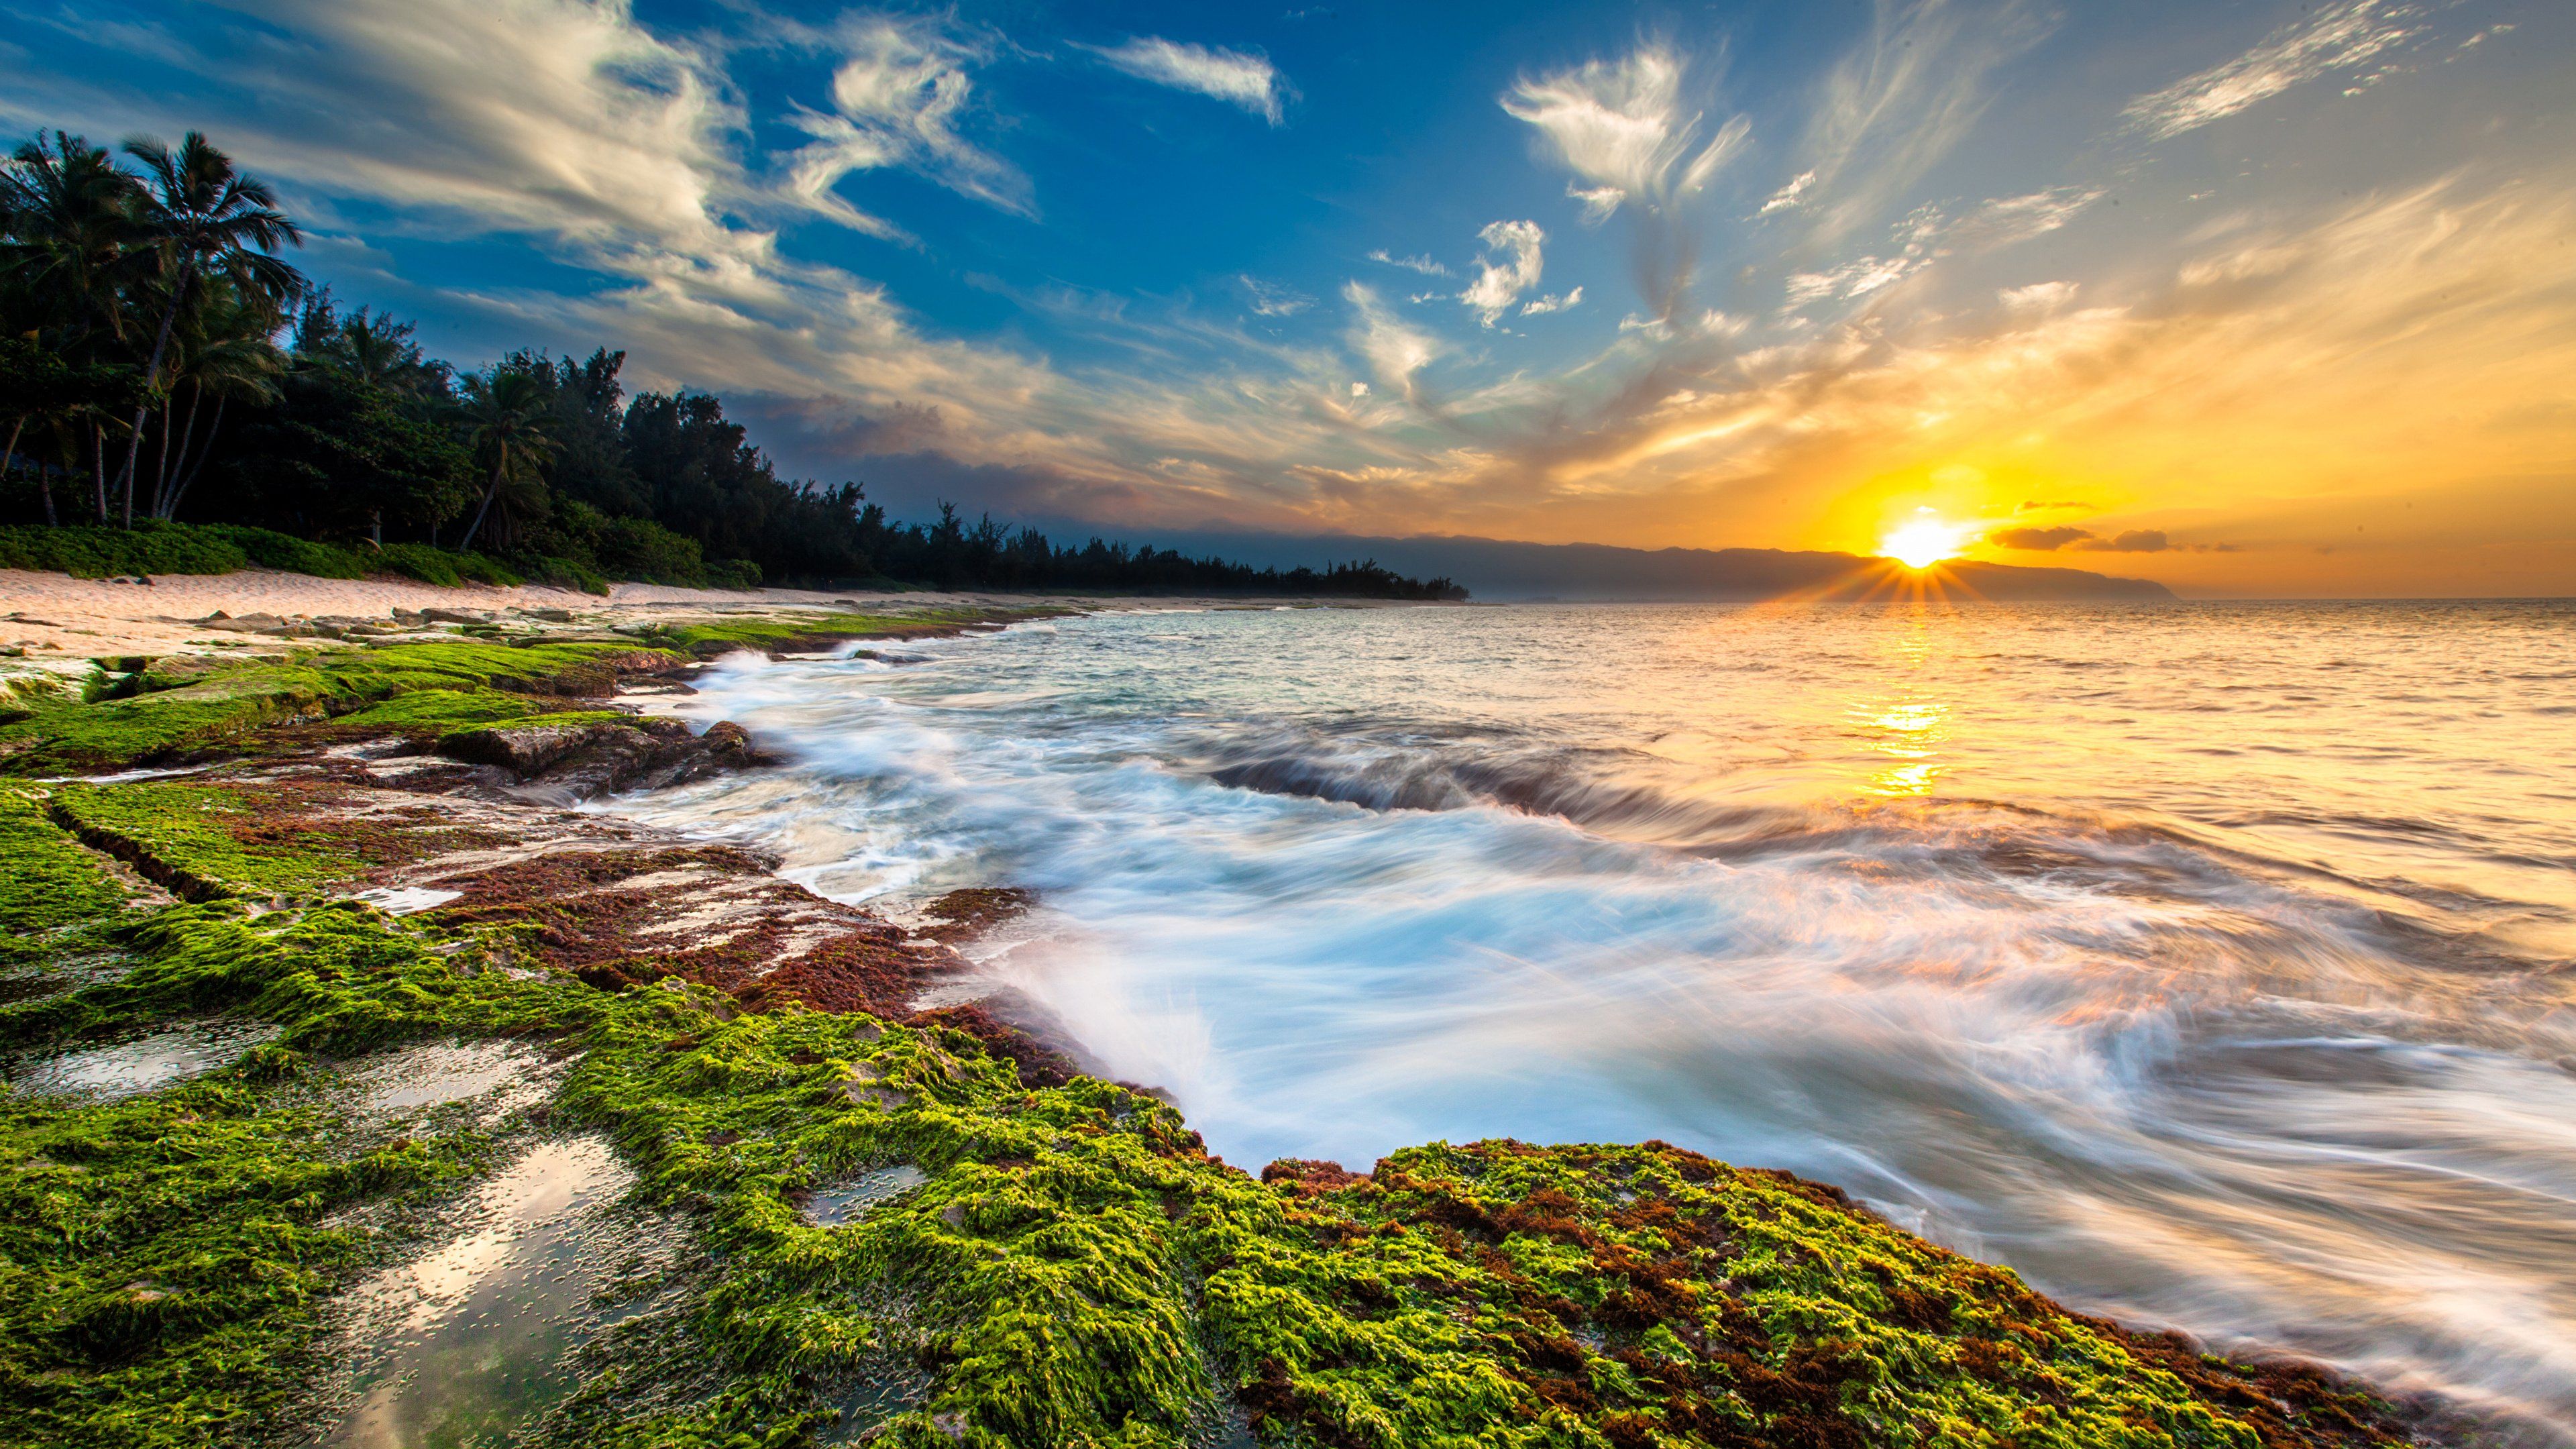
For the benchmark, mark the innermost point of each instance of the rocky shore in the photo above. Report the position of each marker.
(364, 1092)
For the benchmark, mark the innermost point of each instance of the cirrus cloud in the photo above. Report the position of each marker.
(1245, 79)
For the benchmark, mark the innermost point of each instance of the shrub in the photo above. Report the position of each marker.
(420, 561)
(291, 554)
(97, 553)
(638, 548)
(733, 573)
(562, 573)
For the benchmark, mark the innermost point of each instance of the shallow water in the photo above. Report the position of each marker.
(849, 1201)
(146, 1063)
(2209, 964)
(470, 1340)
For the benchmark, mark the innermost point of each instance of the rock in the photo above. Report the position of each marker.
(551, 616)
(582, 760)
(455, 616)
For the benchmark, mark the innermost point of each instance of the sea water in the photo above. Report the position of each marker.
(2209, 964)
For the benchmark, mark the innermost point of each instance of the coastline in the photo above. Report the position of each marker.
(61, 623)
(1065, 1263)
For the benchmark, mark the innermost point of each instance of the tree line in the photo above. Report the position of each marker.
(161, 363)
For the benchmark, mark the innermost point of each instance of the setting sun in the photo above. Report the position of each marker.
(1921, 542)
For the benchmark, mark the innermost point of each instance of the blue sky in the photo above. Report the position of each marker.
(2277, 293)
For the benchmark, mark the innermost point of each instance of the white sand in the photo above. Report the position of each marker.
(61, 623)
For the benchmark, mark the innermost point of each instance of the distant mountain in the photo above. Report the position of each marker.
(1495, 569)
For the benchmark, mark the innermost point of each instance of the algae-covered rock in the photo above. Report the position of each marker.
(589, 753)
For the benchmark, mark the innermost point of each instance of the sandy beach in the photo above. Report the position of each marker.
(58, 624)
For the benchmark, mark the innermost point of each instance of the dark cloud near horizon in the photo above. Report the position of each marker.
(2081, 540)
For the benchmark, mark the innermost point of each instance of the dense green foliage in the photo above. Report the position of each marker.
(157, 356)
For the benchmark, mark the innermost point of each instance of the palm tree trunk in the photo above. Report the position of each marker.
(164, 503)
(9, 459)
(489, 494)
(214, 426)
(152, 370)
(160, 467)
(98, 469)
(45, 489)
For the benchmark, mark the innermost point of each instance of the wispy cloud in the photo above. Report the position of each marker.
(2037, 297)
(1395, 352)
(1556, 302)
(1237, 77)
(1897, 103)
(1499, 282)
(2009, 219)
(1789, 193)
(2340, 36)
(1423, 264)
(1272, 300)
(1626, 127)
(900, 96)
(1623, 126)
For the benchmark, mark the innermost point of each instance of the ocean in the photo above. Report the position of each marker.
(2209, 964)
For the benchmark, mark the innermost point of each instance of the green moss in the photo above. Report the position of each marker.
(440, 711)
(1646, 1295)
(202, 840)
(163, 1259)
(805, 633)
(50, 884)
(336, 977)
(220, 707)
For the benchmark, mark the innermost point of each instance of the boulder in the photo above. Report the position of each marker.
(586, 759)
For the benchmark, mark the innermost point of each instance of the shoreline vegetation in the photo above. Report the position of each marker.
(162, 366)
(311, 991)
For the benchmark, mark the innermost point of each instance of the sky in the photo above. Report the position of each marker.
(2249, 298)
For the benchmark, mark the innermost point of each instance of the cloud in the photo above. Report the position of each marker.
(899, 97)
(1423, 264)
(1897, 103)
(1272, 300)
(2135, 540)
(2036, 540)
(1557, 303)
(1787, 196)
(1620, 125)
(2010, 219)
(1498, 284)
(2081, 540)
(2336, 36)
(1598, 201)
(2037, 297)
(1918, 236)
(1394, 351)
(1624, 127)
(1239, 78)
(549, 119)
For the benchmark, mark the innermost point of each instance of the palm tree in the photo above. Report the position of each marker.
(66, 222)
(69, 217)
(376, 350)
(199, 216)
(221, 348)
(505, 415)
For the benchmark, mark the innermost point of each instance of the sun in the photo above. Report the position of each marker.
(1919, 543)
